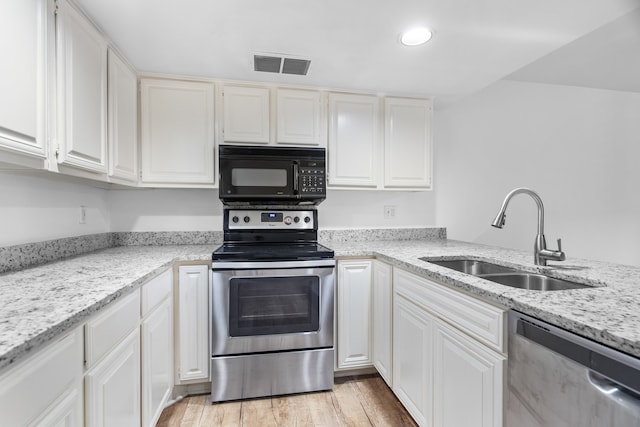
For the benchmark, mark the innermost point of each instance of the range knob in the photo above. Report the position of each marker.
(307, 219)
(296, 219)
(235, 219)
(287, 220)
(247, 219)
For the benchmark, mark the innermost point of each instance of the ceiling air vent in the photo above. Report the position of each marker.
(295, 66)
(277, 64)
(268, 64)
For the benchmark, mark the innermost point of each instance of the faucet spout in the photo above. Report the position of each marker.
(541, 252)
(500, 218)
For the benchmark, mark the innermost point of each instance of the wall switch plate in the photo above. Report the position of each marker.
(83, 214)
(389, 212)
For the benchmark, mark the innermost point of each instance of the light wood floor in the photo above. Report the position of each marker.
(354, 401)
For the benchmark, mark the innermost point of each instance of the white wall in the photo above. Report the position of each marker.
(165, 210)
(201, 210)
(579, 148)
(359, 209)
(37, 208)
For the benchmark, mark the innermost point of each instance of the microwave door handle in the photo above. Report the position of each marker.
(296, 175)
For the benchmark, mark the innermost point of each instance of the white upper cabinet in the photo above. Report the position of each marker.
(177, 133)
(353, 140)
(122, 119)
(246, 114)
(23, 80)
(299, 117)
(407, 143)
(82, 91)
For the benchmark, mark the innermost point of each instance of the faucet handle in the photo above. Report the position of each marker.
(559, 245)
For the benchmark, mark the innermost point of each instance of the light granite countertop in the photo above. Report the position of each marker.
(40, 303)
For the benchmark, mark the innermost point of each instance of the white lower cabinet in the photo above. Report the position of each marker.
(412, 359)
(156, 331)
(443, 374)
(112, 387)
(354, 313)
(466, 375)
(381, 320)
(192, 324)
(46, 388)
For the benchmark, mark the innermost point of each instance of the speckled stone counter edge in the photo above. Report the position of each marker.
(18, 257)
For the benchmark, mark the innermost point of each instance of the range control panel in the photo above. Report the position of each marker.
(270, 219)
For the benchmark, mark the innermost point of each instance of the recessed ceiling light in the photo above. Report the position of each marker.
(415, 36)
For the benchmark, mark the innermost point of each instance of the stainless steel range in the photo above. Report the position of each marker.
(272, 306)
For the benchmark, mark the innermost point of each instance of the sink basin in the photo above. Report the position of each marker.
(533, 281)
(473, 267)
(507, 276)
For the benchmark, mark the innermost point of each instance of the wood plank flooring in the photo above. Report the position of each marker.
(354, 401)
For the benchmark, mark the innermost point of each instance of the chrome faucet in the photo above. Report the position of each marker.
(540, 251)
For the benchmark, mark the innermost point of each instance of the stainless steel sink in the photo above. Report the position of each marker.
(473, 267)
(533, 281)
(507, 276)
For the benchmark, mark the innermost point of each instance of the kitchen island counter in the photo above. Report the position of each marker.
(39, 304)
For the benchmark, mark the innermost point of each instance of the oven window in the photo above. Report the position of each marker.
(273, 305)
(250, 177)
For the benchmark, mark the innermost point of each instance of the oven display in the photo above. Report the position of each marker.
(271, 217)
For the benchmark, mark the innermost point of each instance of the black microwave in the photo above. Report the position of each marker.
(272, 175)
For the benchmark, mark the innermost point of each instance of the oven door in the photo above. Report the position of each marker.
(271, 306)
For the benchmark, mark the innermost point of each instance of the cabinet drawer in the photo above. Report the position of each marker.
(478, 319)
(107, 329)
(155, 291)
(32, 389)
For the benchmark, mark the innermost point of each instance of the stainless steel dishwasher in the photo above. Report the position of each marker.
(556, 378)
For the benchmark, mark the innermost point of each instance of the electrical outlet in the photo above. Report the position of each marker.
(389, 212)
(83, 214)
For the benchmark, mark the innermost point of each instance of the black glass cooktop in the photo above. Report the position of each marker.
(271, 252)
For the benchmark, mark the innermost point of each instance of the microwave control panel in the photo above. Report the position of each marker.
(312, 180)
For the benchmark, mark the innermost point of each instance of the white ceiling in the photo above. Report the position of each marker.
(353, 44)
(607, 58)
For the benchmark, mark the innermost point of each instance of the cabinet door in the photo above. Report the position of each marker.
(192, 340)
(299, 115)
(407, 143)
(466, 375)
(412, 359)
(66, 411)
(353, 140)
(354, 313)
(382, 321)
(122, 119)
(157, 363)
(46, 387)
(246, 114)
(82, 91)
(177, 125)
(23, 78)
(112, 388)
